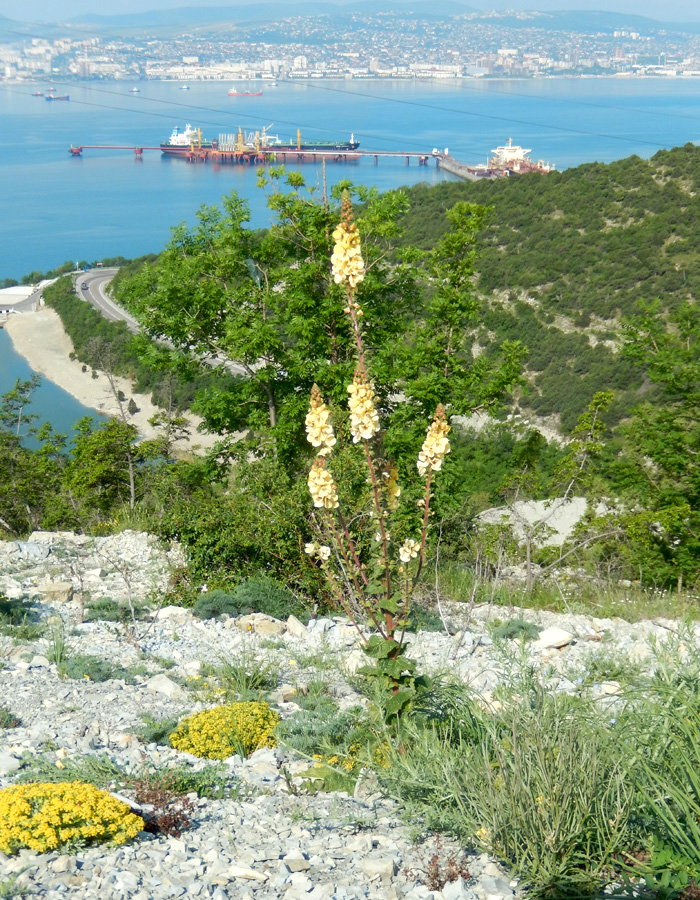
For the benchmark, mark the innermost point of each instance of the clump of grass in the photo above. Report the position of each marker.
(92, 668)
(105, 609)
(540, 785)
(514, 629)
(242, 678)
(8, 719)
(157, 731)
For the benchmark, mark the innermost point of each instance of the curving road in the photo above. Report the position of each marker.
(95, 293)
(96, 281)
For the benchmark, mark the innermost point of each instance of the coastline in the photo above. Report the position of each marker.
(41, 339)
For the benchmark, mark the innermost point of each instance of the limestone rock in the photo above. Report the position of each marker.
(296, 628)
(57, 591)
(8, 763)
(161, 684)
(259, 623)
(553, 639)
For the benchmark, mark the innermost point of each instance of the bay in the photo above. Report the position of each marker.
(107, 202)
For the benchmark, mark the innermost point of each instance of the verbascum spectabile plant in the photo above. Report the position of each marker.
(381, 590)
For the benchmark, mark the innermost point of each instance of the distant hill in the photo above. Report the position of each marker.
(568, 255)
(267, 11)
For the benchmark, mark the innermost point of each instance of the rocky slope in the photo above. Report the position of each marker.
(269, 839)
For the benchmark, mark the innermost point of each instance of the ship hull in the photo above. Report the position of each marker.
(318, 147)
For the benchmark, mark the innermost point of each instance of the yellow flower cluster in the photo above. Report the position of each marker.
(220, 732)
(347, 264)
(319, 429)
(392, 491)
(436, 446)
(321, 550)
(356, 758)
(43, 817)
(364, 419)
(323, 489)
(408, 550)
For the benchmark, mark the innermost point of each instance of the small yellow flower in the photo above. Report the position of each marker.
(391, 488)
(436, 445)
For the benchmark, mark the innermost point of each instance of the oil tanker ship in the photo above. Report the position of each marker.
(180, 143)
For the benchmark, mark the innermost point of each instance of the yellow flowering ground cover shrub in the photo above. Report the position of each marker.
(43, 817)
(220, 732)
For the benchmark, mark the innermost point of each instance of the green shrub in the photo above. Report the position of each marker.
(266, 595)
(157, 731)
(213, 604)
(220, 732)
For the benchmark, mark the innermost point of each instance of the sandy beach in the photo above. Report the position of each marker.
(41, 339)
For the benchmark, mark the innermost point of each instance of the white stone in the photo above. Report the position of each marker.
(161, 684)
(296, 628)
(8, 763)
(259, 623)
(378, 865)
(175, 615)
(295, 861)
(236, 871)
(57, 591)
(553, 639)
(456, 890)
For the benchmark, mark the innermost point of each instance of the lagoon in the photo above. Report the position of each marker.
(49, 402)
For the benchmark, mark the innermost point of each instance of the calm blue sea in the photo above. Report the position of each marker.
(57, 208)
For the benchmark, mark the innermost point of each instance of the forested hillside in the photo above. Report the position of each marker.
(565, 257)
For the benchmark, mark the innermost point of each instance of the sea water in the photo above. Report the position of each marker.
(108, 202)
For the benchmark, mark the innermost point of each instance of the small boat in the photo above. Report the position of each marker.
(134, 90)
(56, 97)
(37, 94)
(184, 87)
(234, 93)
(51, 90)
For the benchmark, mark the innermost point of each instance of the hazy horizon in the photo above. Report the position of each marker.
(60, 10)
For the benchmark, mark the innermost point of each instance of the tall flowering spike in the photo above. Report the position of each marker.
(347, 264)
(392, 491)
(436, 446)
(319, 430)
(323, 489)
(364, 418)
